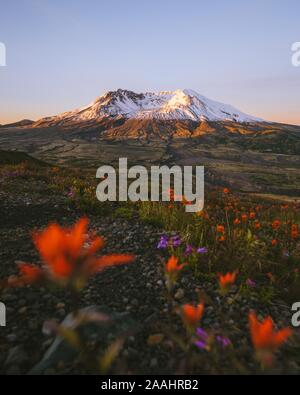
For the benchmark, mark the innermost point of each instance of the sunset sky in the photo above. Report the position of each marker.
(62, 54)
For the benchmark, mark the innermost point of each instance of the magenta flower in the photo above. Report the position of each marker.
(202, 250)
(189, 249)
(202, 338)
(251, 283)
(223, 341)
(176, 241)
(163, 242)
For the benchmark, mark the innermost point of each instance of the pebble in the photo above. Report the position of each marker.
(179, 294)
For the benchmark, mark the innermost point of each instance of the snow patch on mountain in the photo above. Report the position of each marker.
(181, 104)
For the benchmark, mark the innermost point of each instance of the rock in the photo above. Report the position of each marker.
(153, 363)
(12, 338)
(22, 310)
(135, 302)
(179, 294)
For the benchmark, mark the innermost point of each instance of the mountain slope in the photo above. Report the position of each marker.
(180, 105)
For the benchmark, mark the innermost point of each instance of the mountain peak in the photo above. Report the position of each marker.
(181, 104)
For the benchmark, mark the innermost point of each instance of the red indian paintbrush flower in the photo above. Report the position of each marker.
(227, 280)
(294, 231)
(276, 224)
(265, 339)
(220, 229)
(192, 315)
(172, 270)
(252, 215)
(68, 256)
(244, 217)
(172, 266)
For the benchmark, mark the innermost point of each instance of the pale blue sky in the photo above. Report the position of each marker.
(62, 54)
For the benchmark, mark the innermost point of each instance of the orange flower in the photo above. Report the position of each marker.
(222, 238)
(192, 315)
(276, 224)
(274, 242)
(257, 225)
(69, 256)
(226, 191)
(171, 194)
(236, 221)
(227, 280)
(244, 217)
(271, 277)
(220, 229)
(294, 232)
(172, 265)
(265, 339)
(185, 202)
(252, 215)
(202, 214)
(29, 274)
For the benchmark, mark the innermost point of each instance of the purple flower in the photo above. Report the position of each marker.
(71, 193)
(163, 242)
(251, 283)
(189, 249)
(202, 338)
(223, 341)
(176, 241)
(202, 250)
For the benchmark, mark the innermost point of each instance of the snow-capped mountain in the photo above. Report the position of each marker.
(179, 105)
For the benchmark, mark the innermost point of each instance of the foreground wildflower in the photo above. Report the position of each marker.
(226, 281)
(265, 339)
(173, 266)
(68, 256)
(163, 242)
(176, 241)
(205, 341)
(202, 250)
(192, 315)
(189, 249)
(250, 283)
(172, 271)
